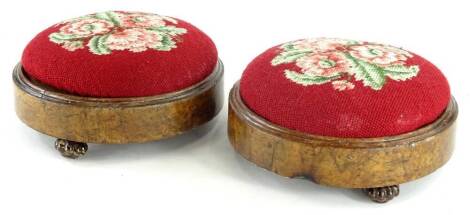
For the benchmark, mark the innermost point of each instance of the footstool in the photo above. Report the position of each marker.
(343, 113)
(117, 77)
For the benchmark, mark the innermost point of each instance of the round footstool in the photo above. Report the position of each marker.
(117, 77)
(343, 113)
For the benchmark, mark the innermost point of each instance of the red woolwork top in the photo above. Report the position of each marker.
(344, 88)
(120, 54)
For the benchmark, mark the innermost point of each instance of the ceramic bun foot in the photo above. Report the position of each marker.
(382, 194)
(71, 149)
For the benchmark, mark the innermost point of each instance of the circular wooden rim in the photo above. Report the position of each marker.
(116, 120)
(447, 118)
(48, 93)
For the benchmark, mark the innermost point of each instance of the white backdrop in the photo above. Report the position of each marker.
(199, 172)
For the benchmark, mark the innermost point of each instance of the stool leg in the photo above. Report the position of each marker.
(382, 194)
(71, 149)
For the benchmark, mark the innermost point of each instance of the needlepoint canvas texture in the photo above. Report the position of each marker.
(120, 54)
(344, 88)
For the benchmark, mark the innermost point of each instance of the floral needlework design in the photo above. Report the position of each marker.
(338, 61)
(107, 31)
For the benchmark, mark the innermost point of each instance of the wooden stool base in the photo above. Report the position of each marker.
(76, 120)
(377, 164)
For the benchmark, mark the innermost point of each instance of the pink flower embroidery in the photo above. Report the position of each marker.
(337, 61)
(324, 64)
(323, 44)
(72, 45)
(342, 85)
(143, 20)
(133, 39)
(87, 27)
(377, 54)
(115, 30)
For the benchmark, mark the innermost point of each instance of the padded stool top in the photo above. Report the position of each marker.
(344, 88)
(120, 54)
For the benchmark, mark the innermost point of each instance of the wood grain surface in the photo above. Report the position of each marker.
(341, 162)
(116, 120)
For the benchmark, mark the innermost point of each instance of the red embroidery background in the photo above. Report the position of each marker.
(399, 107)
(121, 73)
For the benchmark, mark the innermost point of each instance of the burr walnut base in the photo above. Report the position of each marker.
(376, 165)
(77, 120)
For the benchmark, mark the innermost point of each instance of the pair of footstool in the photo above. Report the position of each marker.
(339, 112)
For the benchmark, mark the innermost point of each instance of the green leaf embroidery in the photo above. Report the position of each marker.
(167, 32)
(170, 30)
(166, 44)
(349, 62)
(288, 47)
(401, 72)
(97, 41)
(98, 46)
(289, 56)
(109, 16)
(306, 79)
(61, 38)
(73, 45)
(370, 74)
